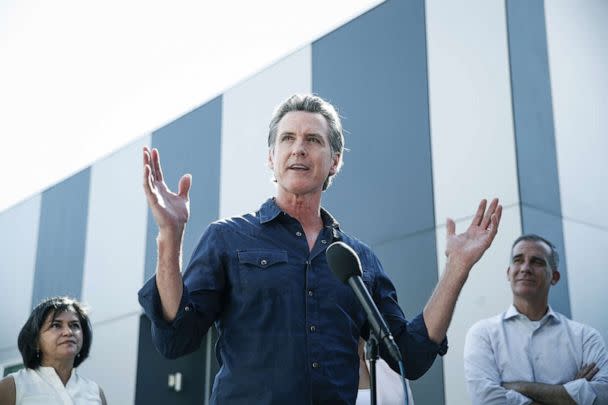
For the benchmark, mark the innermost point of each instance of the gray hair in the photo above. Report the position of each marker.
(553, 255)
(312, 104)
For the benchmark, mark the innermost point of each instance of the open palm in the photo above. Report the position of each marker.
(170, 210)
(468, 247)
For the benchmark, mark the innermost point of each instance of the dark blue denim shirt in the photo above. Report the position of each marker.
(288, 328)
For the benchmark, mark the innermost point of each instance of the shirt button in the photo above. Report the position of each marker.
(310, 293)
(298, 233)
(187, 308)
(315, 365)
(263, 262)
(313, 328)
(323, 241)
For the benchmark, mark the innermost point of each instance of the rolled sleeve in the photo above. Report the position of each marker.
(418, 350)
(580, 391)
(594, 351)
(149, 299)
(200, 304)
(515, 398)
(184, 334)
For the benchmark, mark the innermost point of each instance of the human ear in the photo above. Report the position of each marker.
(270, 159)
(555, 277)
(335, 161)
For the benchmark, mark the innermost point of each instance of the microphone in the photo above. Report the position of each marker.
(346, 265)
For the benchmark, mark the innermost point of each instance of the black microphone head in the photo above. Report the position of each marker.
(343, 261)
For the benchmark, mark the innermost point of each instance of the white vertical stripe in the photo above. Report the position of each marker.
(472, 139)
(247, 109)
(486, 293)
(112, 361)
(577, 38)
(18, 243)
(116, 234)
(587, 258)
(473, 154)
(577, 42)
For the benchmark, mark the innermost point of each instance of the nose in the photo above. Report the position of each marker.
(298, 148)
(525, 267)
(67, 331)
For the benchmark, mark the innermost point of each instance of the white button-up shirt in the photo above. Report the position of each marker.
(509, 347)
(43, 386)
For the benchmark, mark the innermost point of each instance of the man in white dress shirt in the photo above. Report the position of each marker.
(531, 354)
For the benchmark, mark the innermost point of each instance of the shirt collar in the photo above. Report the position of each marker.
(512, 312)
(270, 210)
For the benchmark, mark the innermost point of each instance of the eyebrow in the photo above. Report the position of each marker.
(517, 256)
(316, 134)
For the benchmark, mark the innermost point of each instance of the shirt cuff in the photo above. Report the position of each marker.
(417, 324)
(515, 398)
(149, 299)
(580, 391)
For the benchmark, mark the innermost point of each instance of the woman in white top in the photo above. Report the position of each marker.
(54, 341)
(389, 387)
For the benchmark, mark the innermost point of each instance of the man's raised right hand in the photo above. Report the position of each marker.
(170, 210)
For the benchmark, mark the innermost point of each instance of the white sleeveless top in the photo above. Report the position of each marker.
(389, 387)
(44, 387)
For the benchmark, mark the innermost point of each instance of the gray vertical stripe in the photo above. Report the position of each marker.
(374, 69)
(61, 238)
(541, 211)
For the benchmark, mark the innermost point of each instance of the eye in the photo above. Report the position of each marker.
(75, 325)
(539, 262)
(287, 137)
(314, 139)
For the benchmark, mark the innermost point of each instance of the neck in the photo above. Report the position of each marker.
(305, 208)
(533, 309)
(62, 368)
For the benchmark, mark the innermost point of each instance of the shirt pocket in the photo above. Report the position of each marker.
(262, 270)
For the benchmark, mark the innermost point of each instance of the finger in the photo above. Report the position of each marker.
(148, 186)
(183, 187)
(479, 214)
(158, 171)
(450, 227)
(584, 370)
(588, 368)
(498, 214)
(146, 156)
(147, 159)
(495, 221)
(150, 161)
(592, 373)
(486, 221)
(581, 373)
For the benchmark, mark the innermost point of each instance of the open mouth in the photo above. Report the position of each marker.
(298, 167)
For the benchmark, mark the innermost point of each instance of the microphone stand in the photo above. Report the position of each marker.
(372, 356)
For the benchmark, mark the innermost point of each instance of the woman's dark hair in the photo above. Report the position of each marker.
(30, 332)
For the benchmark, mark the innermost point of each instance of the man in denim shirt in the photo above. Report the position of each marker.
(288, 329)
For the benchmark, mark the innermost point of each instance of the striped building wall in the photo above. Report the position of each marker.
(444, 103)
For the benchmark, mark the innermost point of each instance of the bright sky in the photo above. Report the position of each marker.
(81, 79)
